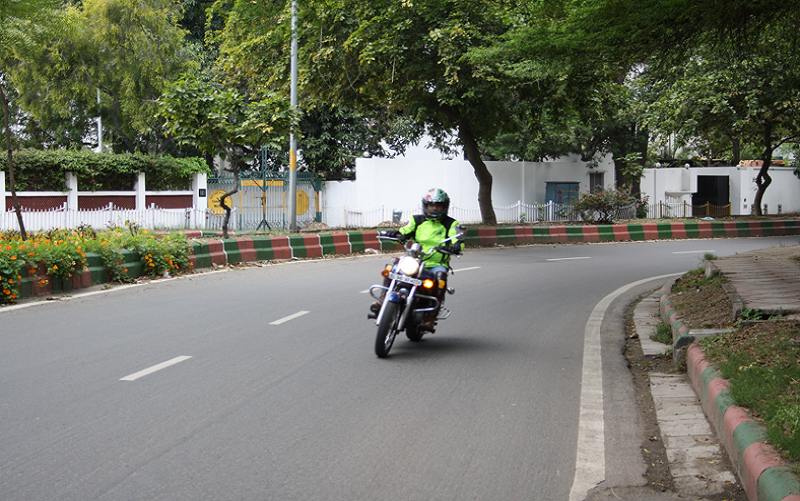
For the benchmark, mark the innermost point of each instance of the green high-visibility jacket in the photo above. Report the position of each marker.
(429, 233)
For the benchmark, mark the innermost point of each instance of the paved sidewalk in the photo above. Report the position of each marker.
(693, 450)
(695, 427)
(767, 279)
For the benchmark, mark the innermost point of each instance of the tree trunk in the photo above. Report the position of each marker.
(619, 149)
(763, 179)
(235, 170)
(636, 184)
(481, 173)
(115, 120)
(619, 172)
(736, 151)
(11, 183)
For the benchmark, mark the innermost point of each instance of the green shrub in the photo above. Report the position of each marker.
(37, 170)
(602, 206)
(64, 254)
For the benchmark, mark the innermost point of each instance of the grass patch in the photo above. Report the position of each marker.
(762, 364)
(693, 280)
(701, 301)
(662, 333)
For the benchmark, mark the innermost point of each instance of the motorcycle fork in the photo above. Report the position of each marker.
(403, 303)
(409, 301)
(386, 299)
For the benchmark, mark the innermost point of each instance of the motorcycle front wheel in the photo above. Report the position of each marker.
(387, 330)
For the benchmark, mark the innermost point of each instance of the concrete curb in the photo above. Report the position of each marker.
(681, 338)
(238, 250)
(319, 245)
(234, 250)
(765, 476)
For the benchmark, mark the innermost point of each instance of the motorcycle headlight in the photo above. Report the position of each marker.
(408, 265)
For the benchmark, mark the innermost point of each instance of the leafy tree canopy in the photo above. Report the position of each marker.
(127, 50)
(222, 121)
(407, 57)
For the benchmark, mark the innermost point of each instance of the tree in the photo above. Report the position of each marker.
(332, 137)
(747, 98)
(406, 56)
(597, 46)
(126, 49)
(21, 25)
(222, 121)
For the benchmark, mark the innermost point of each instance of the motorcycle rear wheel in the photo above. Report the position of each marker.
(387, 330)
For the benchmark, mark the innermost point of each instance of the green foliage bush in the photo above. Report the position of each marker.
(64, 254)
(38, 170)
(602, 206)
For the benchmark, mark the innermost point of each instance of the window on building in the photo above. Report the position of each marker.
(596, 181)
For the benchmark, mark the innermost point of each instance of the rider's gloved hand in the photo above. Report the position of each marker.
(453, 248)
(391, 234)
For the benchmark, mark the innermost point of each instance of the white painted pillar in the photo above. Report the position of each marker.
(139, 187)
(200, 190)
(72, 191)
(199, 198)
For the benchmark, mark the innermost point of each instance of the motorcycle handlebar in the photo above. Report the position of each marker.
(438, 248)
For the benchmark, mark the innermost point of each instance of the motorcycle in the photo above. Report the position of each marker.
(409, 296)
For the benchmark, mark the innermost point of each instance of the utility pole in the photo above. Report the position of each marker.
(99, 125)
(291, 203)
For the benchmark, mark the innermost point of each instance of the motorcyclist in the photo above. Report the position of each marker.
(429, 230)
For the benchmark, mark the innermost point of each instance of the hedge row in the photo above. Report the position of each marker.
(38, 170)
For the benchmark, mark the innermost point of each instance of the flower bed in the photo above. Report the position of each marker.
(64, 260)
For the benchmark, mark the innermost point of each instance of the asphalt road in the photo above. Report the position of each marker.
(262, 384)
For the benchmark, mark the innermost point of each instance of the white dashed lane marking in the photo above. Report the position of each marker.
(290, 317)
(155, 368)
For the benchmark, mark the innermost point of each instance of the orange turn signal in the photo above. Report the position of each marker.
(442, 284)
(428, 284)
(385, 272)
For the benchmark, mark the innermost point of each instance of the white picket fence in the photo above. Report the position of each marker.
(152, 218)
(350, 217)
(155, 218)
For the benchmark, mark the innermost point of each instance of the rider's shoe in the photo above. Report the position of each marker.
(428, 326)
(374, 308)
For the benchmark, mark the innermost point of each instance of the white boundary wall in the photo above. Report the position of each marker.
(386, 185)
(680, 182)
